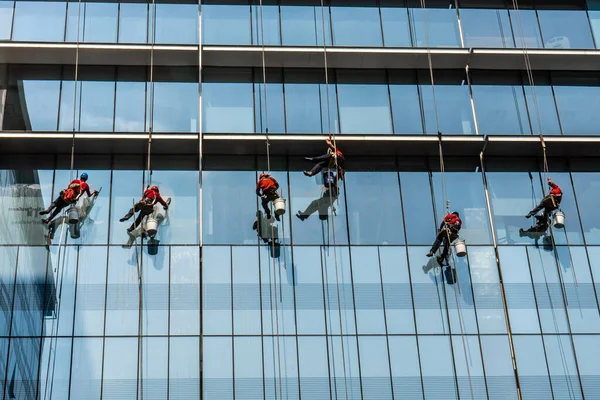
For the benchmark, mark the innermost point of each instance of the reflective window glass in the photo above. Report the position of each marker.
(526, 28)
(119, 379)
(222, 100)
(375, 368)
(396, 290)
(499, 369)
(351, 375)
(65, 280)
(587, 189)
(418, 207)
(130, 100)
(39, 21)
(565, 29)
(533, 371)
(486, 290)
(461, 314)
(100, 22)
(216, 290)
(396, 29)
(339, 301)
(248, 367)
(437, 367)
(269, 106)
(562, 366)
(406, 371)
(133, 23)
(155, 370)
(29, 301)
(309, 291)
(406, 109)
(246, 291)
(278, 279)
(58, 373)
(374, 208)
(314, 373)
(122, 293)
(587, 348)
(217, 375)
(97, 106)
(368, 292)
(6, 16)
(127, 188)
(364, 103)
(184, 368)
(175, 107)
(302, 107)
(442, 25)
(541, 99)
(184, 291)
(469, 367)
(356, 26)
(595, 23)
(577, 107)
(225, 24)
(303, 25)
(269, 16)
(70, 105)
(86, 376)
(500, 109)
(91, 288)
(486, 28)
(155, 292)
(288, 377)
(176, 23)
(75, 21)
(22, 368)
(8, 258)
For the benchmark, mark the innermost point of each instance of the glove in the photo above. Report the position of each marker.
(165, 207)
(95, 193)
(263, 196)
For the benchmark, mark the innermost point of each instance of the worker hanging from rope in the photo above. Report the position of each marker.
(334, 157)
(447, 234)
(323, 203)
(145, 206)
(266, 189)
(549, 203)
(68, 196)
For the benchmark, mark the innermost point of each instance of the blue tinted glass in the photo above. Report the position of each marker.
(339, 302)
(57, 372)
(248, 367)
(227, 212)
(22, 368)
(453, 108)
(41, 98)
(587, 349)
(520, 299)
(576, 107)
(329, 110)
(368, 292)
(177, 23)
(185, 291)
(356, 26)
(595, 23)
(86, 378)
(40, 21)
(277, 282)
(8, 259)
(569, 207)
(418, 208)
(175, 107)
(486, 28)
(565, 29)
(587, 189)
(302, 108)
(562, 366)
(6, 14)
(406, 108)
(285, 378)
(374, 208)
(100, 24)
(501, 109)
(469, 368)
(97, 106)
(428, 291)
(396, 290)
(541, 100)
(66, 279)
(222, 100)
(364, 108)
(70, 102)
(133, 22)
(217, 374)
(155, 371)
(461, 310)
(225, 24)
(29, 298)
(216, 290)
(499, 369)
(486, 290)
(130, 105)
(75, 13)
(442, 27)
(526, 29)
(91, 281)
(127, 189)
(246, 291)
(533, 371)
(309, 291)
(314, 374)
(437, 367)
(396, 30)
(119, 380)
(155, 291)
(265, 24)
(375, 370)
(269, 106)
(344, 377)
(122, 293)
(303, 25)
(406, 372)
(184, 368)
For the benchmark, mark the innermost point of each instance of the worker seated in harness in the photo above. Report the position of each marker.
(323, 203)
(549, 203)
(334, 157)
(68, 196)
(266, 189)
(447, 234)
(145, 207)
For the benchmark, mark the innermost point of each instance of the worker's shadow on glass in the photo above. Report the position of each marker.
(438, 268)
(539, 232)
(322, 204)
(268, 232)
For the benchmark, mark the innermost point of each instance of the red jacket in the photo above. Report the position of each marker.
(267, 183)
(453, 220)
(154, 196)
(555, 191)
(80, 186)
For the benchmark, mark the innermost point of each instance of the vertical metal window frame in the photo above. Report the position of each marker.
(587, 14)
(530, 114)
(3, 92)
(471, 98)
(12, 307)
(498, 266)
(460, 29)
(199, 221)
(12, 26)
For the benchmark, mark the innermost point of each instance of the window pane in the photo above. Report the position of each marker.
(217, 369)
(397, 294)
(184, 366)
(175, 107)
(406, 110)
(75, 21)
(486, 28)
(246, 291)
(289, 367)
(133, 22)
(461, 309)
(339, 301)
(374, 208)
(86, 378)
(269, 15)
(314, 374)
(248, 364)
(130, 103)
(126, 188)
(487, 290)
(396, 30)
(101, 22)
(177, 23)
(119, 379)
(8, 261)
(498, 367)
(216, 290)
(453, 105)
(61, 278)
(55, 367)
(185, 291)
(595, 22)
(70, 105)
(278, 277)
(526, 29)
(367, 291)
(577, 107)
(222, 100)
(154, 371)
(404, 359)
(91, 287)
(437, 367)
(418, 208)
(271, 105)
(6, 15)
(565, 29)
(587, 188)
(29, 302)
(97, 106)
(587, 348)
(542, 101)
(563, 369)
(356, 26)
(302, 107)
(225, 24)
(501, 109)
(303, 25)
(344, 383)
(469, 375)
(155, 291)
(442, 25)
(122, 298)
(40, 21)
(309, 291)
(533, 371)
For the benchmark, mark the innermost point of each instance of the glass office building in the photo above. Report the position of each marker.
(346, 305)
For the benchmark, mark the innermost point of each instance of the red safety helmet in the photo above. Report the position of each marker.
(263, 175)
(154, 188)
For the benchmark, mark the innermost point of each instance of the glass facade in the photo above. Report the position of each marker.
(344, 304)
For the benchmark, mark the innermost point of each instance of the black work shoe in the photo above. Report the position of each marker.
(300, 216)
(307, 173)
(44, 212)
(529, 215)
(130, 229)
(123, 219)
(46, 220)
(430, 254)
(277, 217)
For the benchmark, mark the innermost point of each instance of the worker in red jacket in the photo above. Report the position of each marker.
(447, 234)
(266, 189)
(334, 157)
(68, 196)
(548, 203)
(145, 206)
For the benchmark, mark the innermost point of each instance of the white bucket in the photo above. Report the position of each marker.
(151, 226)
(460, 248)
(279, 205)
(559, 220)
(73, 215)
